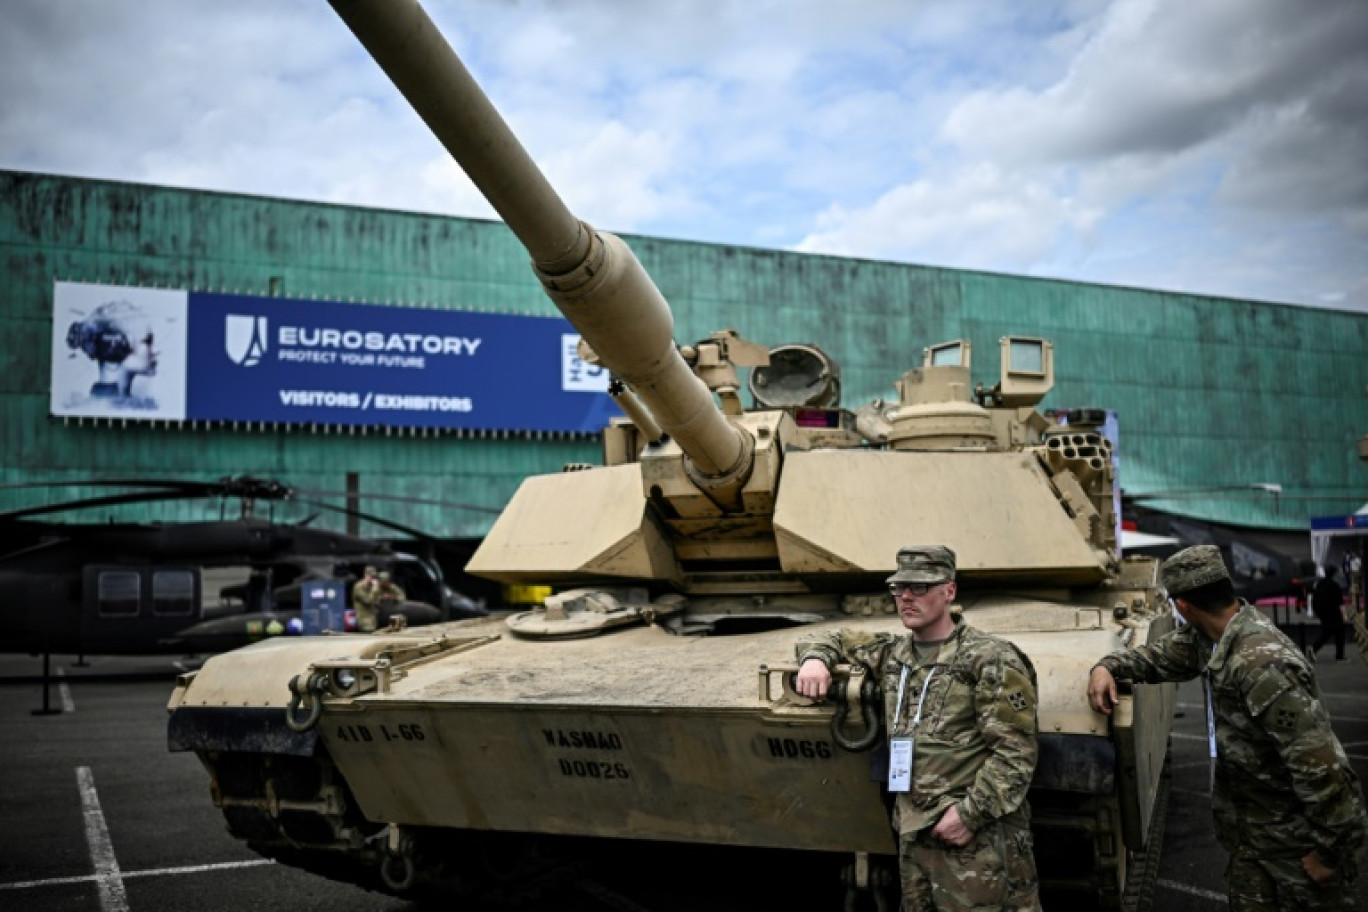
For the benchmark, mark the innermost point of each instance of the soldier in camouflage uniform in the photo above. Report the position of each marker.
(967, 703)
(365, 601)
(1286, 802)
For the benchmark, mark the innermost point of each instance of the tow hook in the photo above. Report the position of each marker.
(863, 878)
(871, 704)
(396, 865)
(311, 689)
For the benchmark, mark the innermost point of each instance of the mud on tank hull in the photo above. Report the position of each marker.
(472, 754)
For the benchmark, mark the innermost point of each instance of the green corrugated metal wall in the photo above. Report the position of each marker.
(1209, 392)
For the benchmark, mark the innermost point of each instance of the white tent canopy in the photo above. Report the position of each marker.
(1321, 538)
(1136, 541)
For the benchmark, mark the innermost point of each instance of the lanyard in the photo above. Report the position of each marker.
(1211, 725)
(902, 686)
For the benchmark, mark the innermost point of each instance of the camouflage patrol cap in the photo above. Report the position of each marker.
(924, 564)
(1192, 568)
(370, 570)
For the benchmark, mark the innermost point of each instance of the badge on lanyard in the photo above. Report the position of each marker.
(902, 750)
(900, 765)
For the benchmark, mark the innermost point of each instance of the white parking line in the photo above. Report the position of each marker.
(1195, 891)
(1334, 717)
(107, 879)
(608, 897)
(1204, 764)
(68, 705)
(1183, 736)
(129, 875)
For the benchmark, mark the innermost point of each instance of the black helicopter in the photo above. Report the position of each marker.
(138, 588)
(1263, 564)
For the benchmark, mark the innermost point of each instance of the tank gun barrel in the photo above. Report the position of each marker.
(592, 277)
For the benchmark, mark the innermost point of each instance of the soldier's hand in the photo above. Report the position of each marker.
(1101, 690)
(1315, 868)
(950, 828)
(813, 679)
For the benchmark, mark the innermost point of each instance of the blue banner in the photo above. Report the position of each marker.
(286, 361)
(1332, 523)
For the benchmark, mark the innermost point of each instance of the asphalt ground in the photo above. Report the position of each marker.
(98, 815)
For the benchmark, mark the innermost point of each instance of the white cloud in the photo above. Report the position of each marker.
(1205, 122)
(965, 218)
(1213, 147)
(635, 162)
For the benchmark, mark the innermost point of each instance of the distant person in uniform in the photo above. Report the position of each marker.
(390, 594)
(1327, 600)
(1287, 804)
(366, 600)
(961, 723)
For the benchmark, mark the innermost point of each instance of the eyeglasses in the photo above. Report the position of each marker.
(915, 588)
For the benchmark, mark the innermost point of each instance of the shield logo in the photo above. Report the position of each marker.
(244, 338)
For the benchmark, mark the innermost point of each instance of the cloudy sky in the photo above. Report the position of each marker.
(1217, 147)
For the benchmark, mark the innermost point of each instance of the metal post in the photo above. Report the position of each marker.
(47, 709)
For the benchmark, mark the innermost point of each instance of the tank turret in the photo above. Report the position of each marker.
(711, 540)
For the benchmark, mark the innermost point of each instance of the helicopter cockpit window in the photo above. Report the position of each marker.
(119, 592)
(173, 593)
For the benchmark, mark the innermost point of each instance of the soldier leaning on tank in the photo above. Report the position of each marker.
(961, 711)
(1286, 802)
(365, 601)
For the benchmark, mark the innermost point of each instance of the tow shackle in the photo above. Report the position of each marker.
(871, 703)
(398, 871)
(310, 688)
(397, 868)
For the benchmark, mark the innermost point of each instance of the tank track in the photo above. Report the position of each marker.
(1081, 859)
(1143, 870)
(300, 812)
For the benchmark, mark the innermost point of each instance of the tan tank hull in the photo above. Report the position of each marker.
(640, 734)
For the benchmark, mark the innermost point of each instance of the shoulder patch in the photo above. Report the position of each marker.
(1285, 715)
(1018, 696)
(1269, 685)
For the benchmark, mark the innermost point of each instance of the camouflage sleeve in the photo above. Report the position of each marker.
(1176, 656)
(1005, 700)
(1322, 779)
(836, 646)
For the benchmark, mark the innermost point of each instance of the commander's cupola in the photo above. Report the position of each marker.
(941, 409)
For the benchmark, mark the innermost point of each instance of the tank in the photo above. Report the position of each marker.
(648, 704)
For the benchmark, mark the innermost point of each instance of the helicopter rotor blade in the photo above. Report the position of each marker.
(237, 486)
(243, 486)
(400, 498)
(187, 486)
(227, 486)
(109, 500)
(378, 520)
(34, 549)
